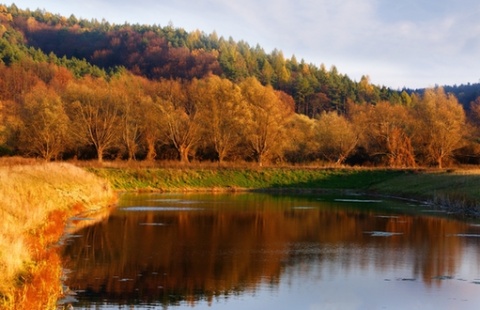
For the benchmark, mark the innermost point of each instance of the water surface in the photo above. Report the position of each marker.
(263, 251)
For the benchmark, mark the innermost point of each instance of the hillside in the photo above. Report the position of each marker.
(72, 88)
(168, 52)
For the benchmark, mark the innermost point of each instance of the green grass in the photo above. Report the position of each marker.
(457, 190)
(171, 179)
(427, 184)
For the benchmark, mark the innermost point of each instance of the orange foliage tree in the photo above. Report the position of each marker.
(384, 130)
(94, 110)
(439, 126)
(336, 137)
(222, 113)
(265, 131)
(45, 124)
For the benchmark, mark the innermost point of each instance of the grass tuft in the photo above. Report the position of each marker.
(35, 201)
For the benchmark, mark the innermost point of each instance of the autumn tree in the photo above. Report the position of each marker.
(15, 80)
(179, 117)
(301, 145)
(335, 136)
(45, 129)
(152, 130)
(440, 121)
(133, 106)
(94, 110)
(222, 114)
(3, 123)
(60, 79)
(474, 115)
(10, 125)
(265, 131)
(385, 132)
(472, 149)
(367, 93)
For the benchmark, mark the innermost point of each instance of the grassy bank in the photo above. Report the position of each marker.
(188, 179)
(35, 202)
(459, 191)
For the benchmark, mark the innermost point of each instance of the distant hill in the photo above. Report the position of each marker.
(167, 52)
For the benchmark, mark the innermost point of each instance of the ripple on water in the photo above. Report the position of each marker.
(149, 208)
(465, 235)
(382, 233)
(359, 200)
(303, 208)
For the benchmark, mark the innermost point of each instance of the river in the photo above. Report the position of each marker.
(273, 251)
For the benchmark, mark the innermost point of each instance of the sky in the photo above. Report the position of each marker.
(397, 43)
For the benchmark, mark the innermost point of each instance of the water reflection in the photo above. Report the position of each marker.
(175, 250)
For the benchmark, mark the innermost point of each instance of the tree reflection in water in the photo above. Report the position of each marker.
(167, 249)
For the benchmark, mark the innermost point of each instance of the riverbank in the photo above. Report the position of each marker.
(36, 199)
(456, 191)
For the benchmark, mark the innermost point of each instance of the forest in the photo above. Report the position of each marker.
(78, 89)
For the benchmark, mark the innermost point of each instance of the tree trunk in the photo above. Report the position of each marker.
(440, 162)
(131, 155)
(100, 154)
(151, 154)
(184, 154)
(221, 157)
(132, 150)
(260, 159)
(340, 159)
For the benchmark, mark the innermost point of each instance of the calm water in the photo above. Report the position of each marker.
(262, 251)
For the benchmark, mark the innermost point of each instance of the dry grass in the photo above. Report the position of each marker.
(35, 201)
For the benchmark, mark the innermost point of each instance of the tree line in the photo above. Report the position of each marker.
(49, 113)
(211, 105)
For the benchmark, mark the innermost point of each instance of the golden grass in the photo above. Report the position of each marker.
(35, 201)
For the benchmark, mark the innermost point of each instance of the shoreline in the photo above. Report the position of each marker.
(454, 191)
(58, 195)
(37, 201)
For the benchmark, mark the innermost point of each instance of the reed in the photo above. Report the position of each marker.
(35, 201)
